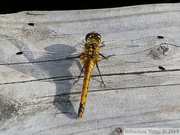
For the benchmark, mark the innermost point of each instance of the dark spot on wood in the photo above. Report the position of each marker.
(162, 68)
(118, 130)
(160, 37)
(31, 24)
(19, 53)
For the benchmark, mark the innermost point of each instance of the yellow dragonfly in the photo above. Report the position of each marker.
(89, 58)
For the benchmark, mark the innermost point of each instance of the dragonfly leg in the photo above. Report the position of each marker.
(103, 45)
(102, 82)
(106, 57)
(73, 57)
(103, 57)
(79, 76)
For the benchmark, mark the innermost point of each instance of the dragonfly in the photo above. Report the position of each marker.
(89, 58)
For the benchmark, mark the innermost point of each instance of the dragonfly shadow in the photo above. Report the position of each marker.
(63, 84)
(52, 66)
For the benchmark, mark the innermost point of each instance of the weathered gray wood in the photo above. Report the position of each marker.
(137, 92)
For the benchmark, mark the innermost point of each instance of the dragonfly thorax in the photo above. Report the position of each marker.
(93, 37)
(91, 50)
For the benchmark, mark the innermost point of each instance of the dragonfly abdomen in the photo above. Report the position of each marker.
(87, 73)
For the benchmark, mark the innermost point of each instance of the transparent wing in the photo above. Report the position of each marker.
(41, 53)
(154, 51)
(42, 38)
(146, 43)
(153, 48)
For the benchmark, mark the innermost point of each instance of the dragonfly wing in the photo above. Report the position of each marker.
(42, 37)
(146, 43)
(39, 64)
(152, 52)
(62, 47)
(110, 59)
(153, 48)
(138, 62)
(147, 79)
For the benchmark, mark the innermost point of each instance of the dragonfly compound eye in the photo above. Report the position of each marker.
(93, 37)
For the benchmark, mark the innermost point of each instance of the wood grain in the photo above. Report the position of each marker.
(36, 91)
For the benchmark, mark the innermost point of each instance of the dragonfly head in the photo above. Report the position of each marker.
(93, 37)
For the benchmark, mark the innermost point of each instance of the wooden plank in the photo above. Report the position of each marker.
(137, 94)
